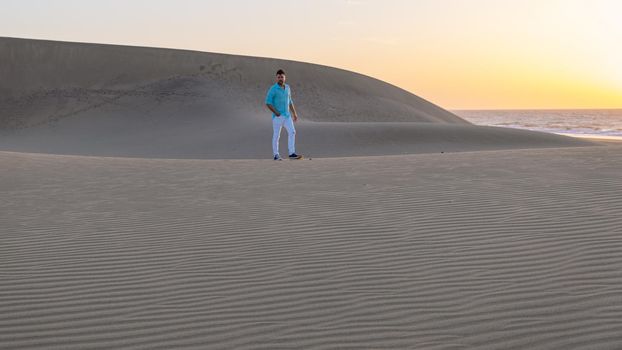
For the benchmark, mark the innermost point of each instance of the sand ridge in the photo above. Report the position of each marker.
(107, 100)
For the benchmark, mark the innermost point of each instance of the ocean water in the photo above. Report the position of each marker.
(603, 123)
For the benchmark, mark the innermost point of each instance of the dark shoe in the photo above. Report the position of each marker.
(295, 156)
(277, 157)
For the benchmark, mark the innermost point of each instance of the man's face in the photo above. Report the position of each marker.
(280, 78)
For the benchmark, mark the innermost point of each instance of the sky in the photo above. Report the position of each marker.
(459, 54)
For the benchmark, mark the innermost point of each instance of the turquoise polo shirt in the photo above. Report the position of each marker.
(280, 99)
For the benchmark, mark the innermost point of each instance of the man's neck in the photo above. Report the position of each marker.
(281, 84)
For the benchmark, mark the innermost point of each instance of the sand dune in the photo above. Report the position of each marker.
(92, 73)
(486, 250)
(88, 99)
(495, 248)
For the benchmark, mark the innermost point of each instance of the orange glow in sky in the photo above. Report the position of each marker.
(460, 54)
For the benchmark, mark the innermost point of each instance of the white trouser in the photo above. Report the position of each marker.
(277, 124)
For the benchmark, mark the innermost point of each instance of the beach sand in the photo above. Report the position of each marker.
(141, 210)
(488, 250)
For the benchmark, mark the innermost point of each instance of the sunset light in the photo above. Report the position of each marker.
(456, 53)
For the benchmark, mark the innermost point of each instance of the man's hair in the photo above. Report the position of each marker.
(280, 71)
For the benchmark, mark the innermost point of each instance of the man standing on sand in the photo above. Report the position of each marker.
(279, 101)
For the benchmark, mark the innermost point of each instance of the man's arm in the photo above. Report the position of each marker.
(293, 109)
(271, 107)
(269, 101)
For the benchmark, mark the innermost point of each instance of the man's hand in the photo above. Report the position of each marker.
(294, 113)
(273, 110)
